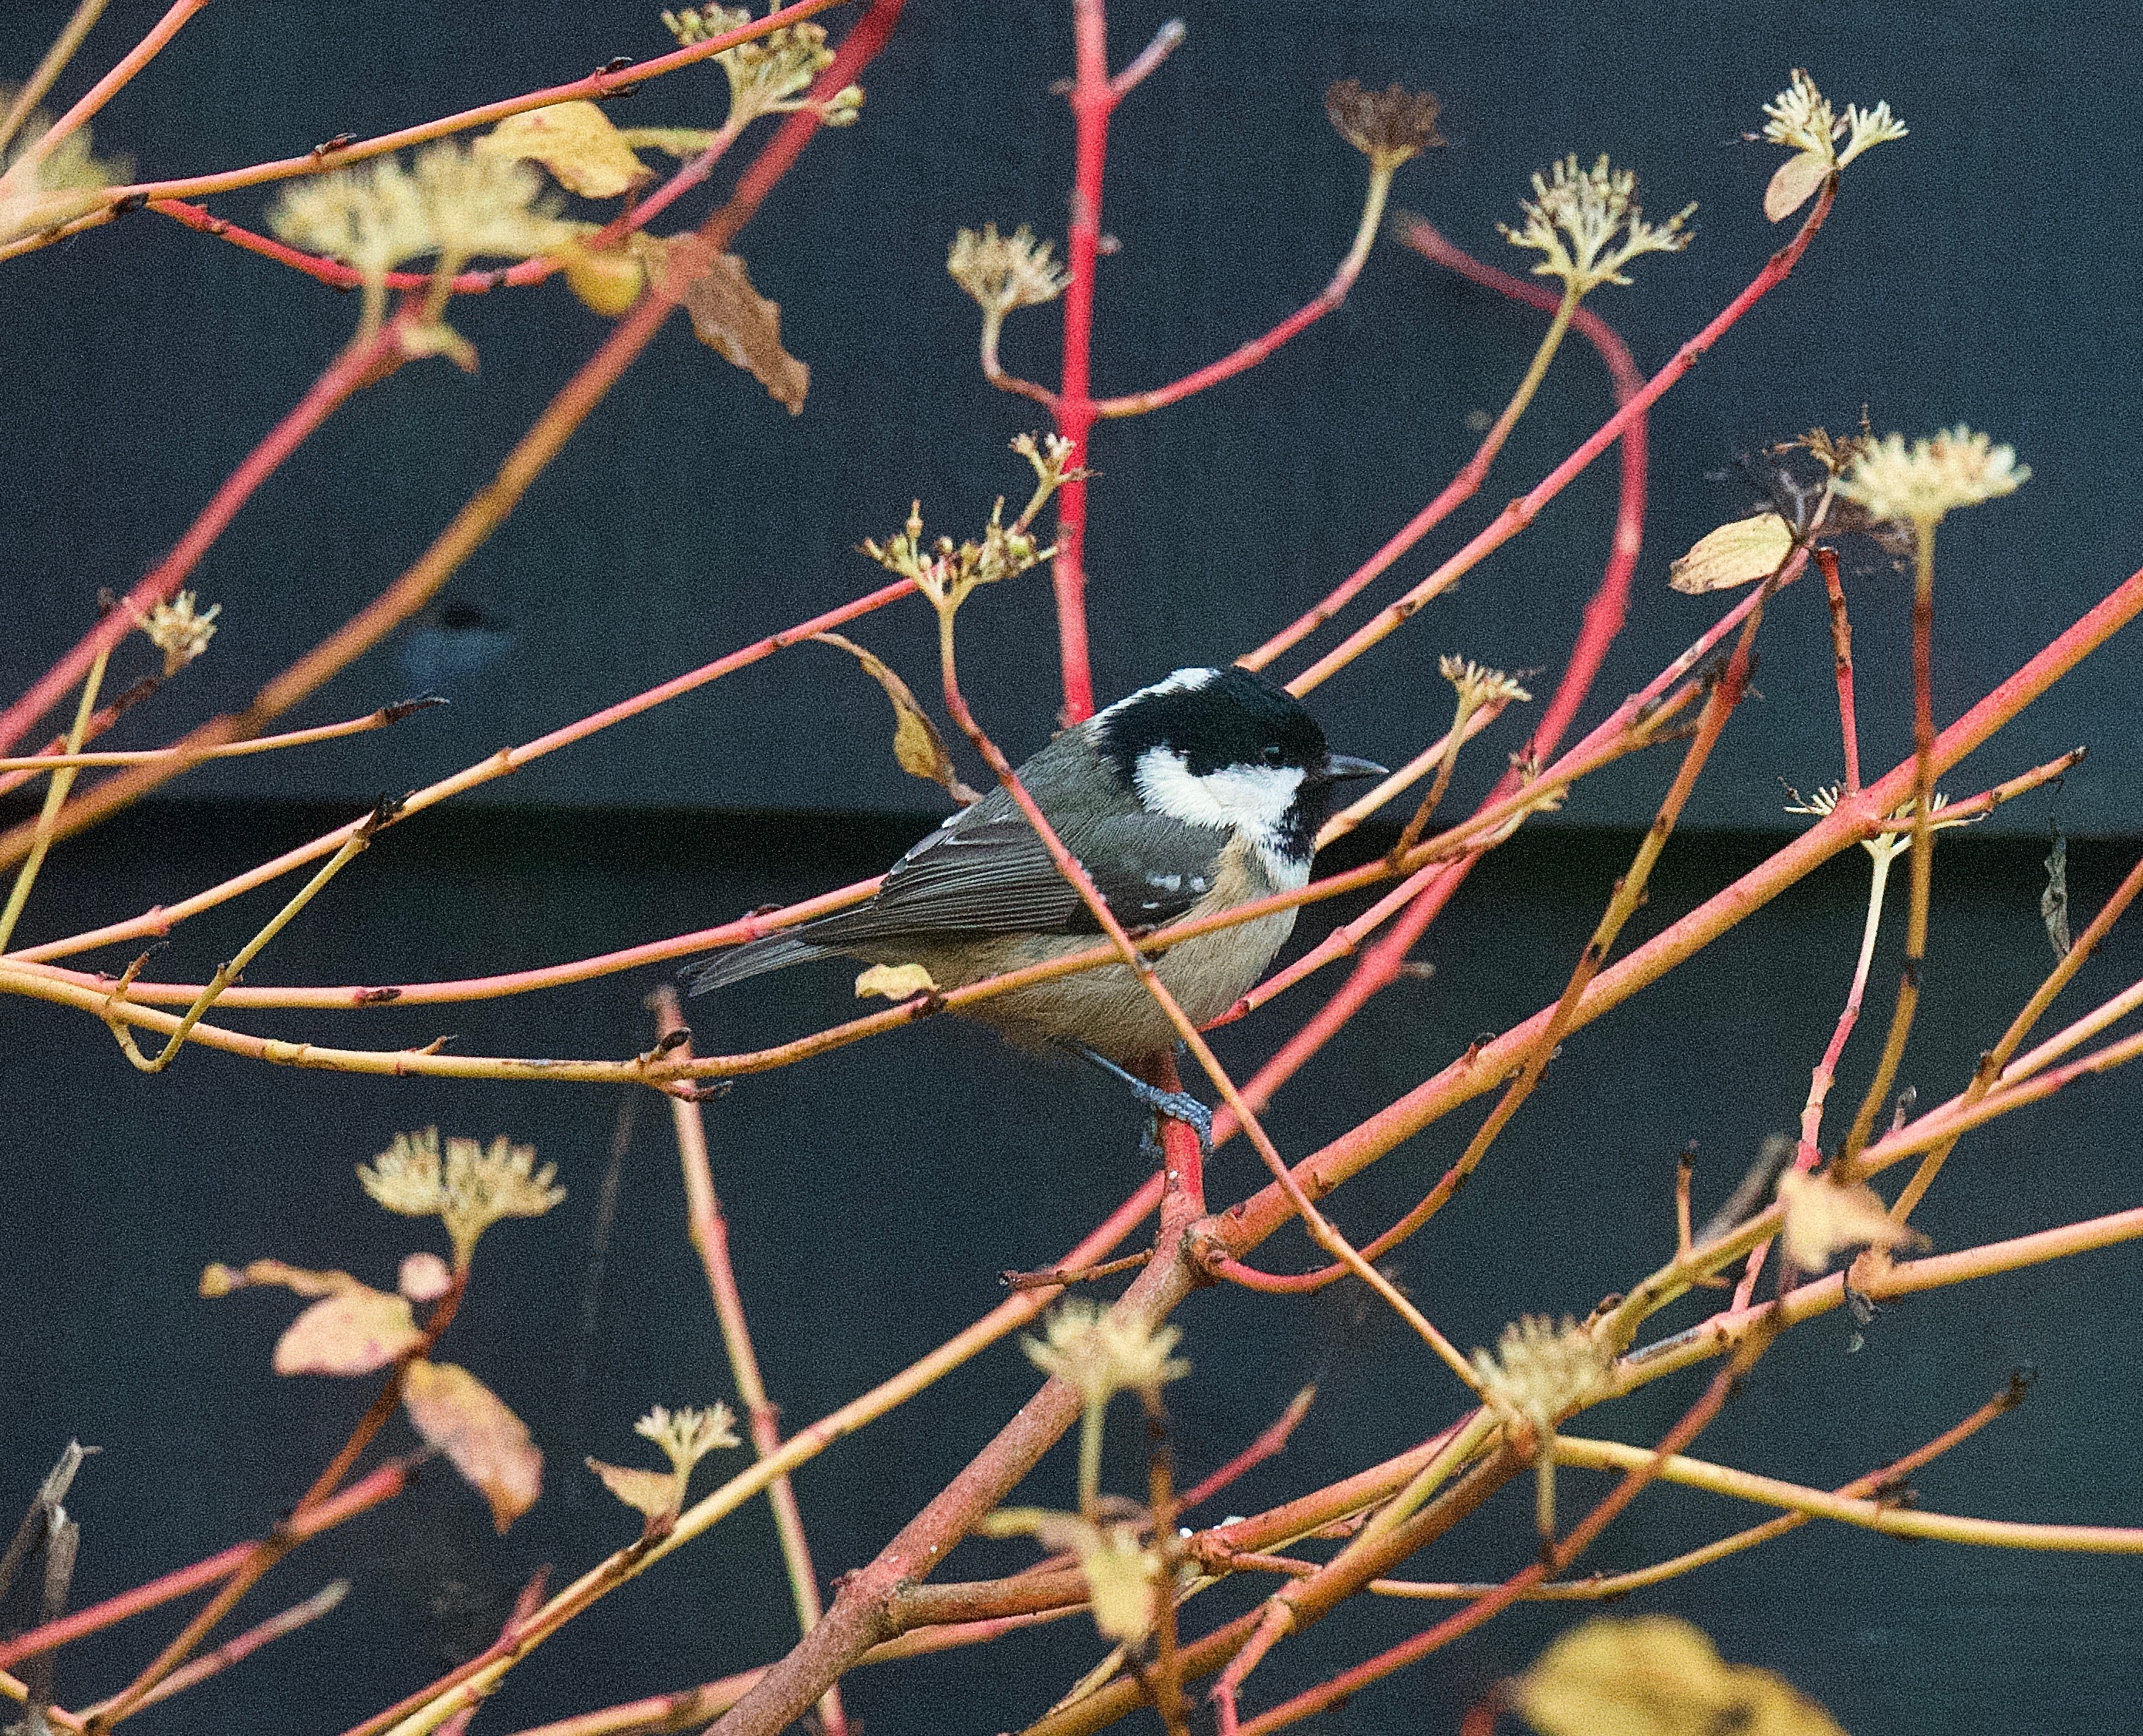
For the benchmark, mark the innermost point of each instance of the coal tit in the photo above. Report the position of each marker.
(1201, 792)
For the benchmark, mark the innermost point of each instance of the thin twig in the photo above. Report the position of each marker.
(709, 1233)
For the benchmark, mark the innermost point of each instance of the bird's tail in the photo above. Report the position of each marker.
(755, 958)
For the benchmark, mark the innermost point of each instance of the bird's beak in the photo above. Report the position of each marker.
(1341, 768)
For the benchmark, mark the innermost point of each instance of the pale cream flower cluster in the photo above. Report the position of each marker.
(1917, 484)
(1588, 226)
(1102, 1353)
(177, 630)
(687, 1435)
(1478, 687)
(1800, 118)
(451, 201)
(469, 1188)
(767, 73)
(1004, 272)
(1542, 1370)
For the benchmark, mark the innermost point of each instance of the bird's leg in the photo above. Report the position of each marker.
(1175, 1105)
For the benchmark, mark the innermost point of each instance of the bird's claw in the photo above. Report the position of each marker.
(1173, 1105)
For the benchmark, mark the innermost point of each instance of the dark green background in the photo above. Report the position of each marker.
(1978, 270)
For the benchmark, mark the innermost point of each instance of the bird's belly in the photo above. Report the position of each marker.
(1106, 1008)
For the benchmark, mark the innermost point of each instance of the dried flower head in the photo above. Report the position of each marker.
(454, 203)
(1388, 126)
(1542, 1372)
(1587, 225)
(174, 629)
(1102, 1353)
(1896, 837)
(688, 1436)
(946, 573)
(768, 72)
(1002, 273)
(1917, 486)
(469, 1189)
(685, 1438)
(1823, 1218)
(1799, 118)
(42, 191)
(1478, 687)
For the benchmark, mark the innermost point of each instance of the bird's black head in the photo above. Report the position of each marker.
(1226, 747)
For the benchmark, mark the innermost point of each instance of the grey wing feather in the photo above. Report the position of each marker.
(753, 957)
(986, 871)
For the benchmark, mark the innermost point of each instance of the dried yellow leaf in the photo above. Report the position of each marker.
(1738, 554)
(1657, 1676)
(610, 280)
(895, 982)
(1823, 1218)
(488, 1444)
(576, 142)
(1793, 183)
(916, 743)
(657, 1496)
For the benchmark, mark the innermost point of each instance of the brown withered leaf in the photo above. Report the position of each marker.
(738, 324)
(1824, 1219)
(658, 1495)
(1657, 1676)
(489, 1446)
(353, 1332)
(895, 982)
(576, 142)
(916, 743)
(1738, 554)
(1793, 183)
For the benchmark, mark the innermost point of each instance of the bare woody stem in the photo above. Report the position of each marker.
(64, 45)
(1923, 846)
(1520, 513)
(1332, 295)
(1456, 493)
(709, 1233)
(472, 526)
(355, 367)
(56, 794)
(108, 86)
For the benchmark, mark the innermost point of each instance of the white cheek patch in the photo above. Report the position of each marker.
(1252, 799)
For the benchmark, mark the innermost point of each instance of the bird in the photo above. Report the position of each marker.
(1198, 793)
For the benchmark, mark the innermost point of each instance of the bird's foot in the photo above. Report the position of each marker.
(1175, 1105)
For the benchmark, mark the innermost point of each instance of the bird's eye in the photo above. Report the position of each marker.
(1273, 753)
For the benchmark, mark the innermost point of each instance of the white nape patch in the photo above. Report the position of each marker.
(1252, 799)
(1184, 680)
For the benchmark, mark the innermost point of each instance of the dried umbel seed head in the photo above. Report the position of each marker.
(1587, 225)
(688, 1436)
(1478, 687)
(1542, 1370)
(1917, 485)
(1387, 127)
(1003, 272)
(469, 1188)
(175, 629)
(1102, 1353)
